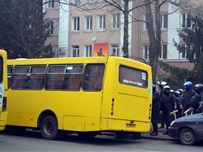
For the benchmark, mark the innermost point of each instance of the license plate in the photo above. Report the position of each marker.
(130, 125)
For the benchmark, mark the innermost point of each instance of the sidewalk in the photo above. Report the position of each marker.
(160, 136)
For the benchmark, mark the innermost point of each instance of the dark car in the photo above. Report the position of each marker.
(188, 129)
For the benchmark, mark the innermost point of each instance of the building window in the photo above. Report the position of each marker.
(88, 51)
(88, 23)
(164, 21)
(88, 1)
(50, 3)
(114, 50)
(115, 21)
(76, 1)
(51, 27)
(144, 23)
(146, 51)
(101, 22)
(75, 51)
(163, 53)
(185, 20)
(75, 23)
(183, 53)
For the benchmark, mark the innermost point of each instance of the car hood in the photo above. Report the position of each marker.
(198, 116)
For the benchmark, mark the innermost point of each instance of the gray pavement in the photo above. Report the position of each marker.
(160, 135)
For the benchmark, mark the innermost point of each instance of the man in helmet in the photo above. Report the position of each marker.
(167, 106)
(187, 95)
(178, 100)
(155, 110)
(160, 116)
(196, 102)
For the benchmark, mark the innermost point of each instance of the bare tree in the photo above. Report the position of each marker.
(154, 28)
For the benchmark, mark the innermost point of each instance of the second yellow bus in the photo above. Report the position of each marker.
(3, 89)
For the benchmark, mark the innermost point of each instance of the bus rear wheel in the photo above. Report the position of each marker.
(49, 128)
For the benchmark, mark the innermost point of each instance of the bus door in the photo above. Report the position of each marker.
(92, 95)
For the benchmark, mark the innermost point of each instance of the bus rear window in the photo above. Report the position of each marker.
(132, 77)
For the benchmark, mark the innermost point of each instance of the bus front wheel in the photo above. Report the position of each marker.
(49, 128)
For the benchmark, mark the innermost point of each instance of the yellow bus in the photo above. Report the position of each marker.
(3, 89)
(86, 96)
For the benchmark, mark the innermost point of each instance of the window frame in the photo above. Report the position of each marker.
(115, 47)
(185, 20)
(87, 50)
(146, 52)
(50, 4)
(88, 23)
(115, 21)
(77, 49)
(164, 21)
(51, 27)
(164, 52)
(76, 23)
(101, 22)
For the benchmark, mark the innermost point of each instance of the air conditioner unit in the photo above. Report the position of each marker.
(61, 50)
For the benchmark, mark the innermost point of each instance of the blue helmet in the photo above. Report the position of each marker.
(188, 85)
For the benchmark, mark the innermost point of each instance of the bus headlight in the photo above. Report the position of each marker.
(172, 123)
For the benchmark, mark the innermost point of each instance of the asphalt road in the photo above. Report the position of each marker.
(33, 142)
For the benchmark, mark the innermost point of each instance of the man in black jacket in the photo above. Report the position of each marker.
(196, 102)
(167, 106)
(187, 95)
(155, 110)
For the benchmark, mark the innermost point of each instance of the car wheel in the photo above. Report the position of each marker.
(187, 137)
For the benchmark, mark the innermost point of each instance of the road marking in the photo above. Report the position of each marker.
(142, 150)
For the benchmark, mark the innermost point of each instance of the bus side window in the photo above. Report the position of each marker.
(93, 77)
(37, 77)
(73, 77)
(20, 79)
(55, 77)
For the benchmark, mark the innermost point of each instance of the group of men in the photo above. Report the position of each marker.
(174, 104)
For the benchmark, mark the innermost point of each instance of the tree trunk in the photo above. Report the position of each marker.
(154, 40)
(125, 37)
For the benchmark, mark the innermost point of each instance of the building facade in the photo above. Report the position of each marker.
(76, 33)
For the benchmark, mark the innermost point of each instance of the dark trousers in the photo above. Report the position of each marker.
(161, 119)
(167, 118)
(154, 119)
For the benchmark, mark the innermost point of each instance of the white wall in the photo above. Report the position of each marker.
(173, 24)
(63, 28)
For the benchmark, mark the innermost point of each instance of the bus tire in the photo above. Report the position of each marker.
(49, 128)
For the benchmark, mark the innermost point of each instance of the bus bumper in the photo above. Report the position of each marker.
(3, 118)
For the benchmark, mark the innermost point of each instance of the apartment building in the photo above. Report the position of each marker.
(77, 33)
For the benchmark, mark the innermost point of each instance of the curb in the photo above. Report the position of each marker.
(146, 136)
(158, 137)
